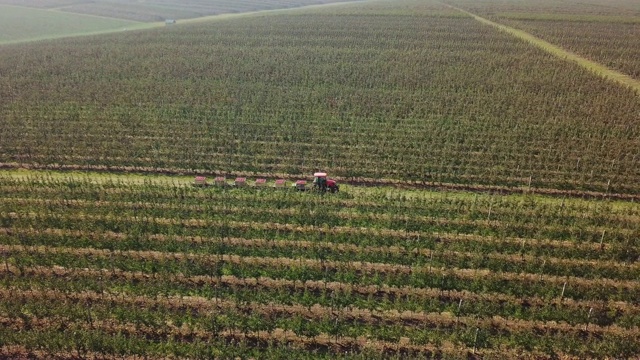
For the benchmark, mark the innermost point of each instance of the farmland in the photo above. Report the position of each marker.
(418, 95)
(488, 204)
(32, 20)
(607, 33)
(160, 10)
(20, 24)
(241, 271)
(620, 53)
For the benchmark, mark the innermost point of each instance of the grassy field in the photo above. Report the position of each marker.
(24, 21)
(112, 253)
(160, 10)
(18, 24)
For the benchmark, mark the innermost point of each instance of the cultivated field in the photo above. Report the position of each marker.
(606, 32)
(109, 264)
(18, 24)
(562, 9)
(30, 20)
(611, 42)
(112, 253)
(160, 10)
(422, 94)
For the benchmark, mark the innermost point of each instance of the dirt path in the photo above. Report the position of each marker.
(139, 175)
(592, 66)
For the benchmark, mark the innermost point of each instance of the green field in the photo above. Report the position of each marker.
(44, 20)
(153, 266)
(489, 185)
(160, 10)
(18, 24)
(607, 33)
(621, 36)
(425, 95)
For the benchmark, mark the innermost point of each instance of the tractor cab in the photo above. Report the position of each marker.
(322, 183)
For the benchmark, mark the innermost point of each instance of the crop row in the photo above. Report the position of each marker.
(478, 221)
(173, 190)
(339, 320)
(168, 311)
(263, 158)
(324, 343)
(317, 249)
(327, 293)
(324, 251)
(321, 232)
(101, 340)
(315, 81)
(506, 224)
(519, 217)
(316, 312)
(437, 243)
(442, 172)
(525, 284)
(266, 151)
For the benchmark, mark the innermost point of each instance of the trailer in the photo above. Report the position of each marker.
(321, 183)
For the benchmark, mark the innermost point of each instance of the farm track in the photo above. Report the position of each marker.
(466, 182)
(357, 206)
(367, 182)
(13, 183)
(592, 66)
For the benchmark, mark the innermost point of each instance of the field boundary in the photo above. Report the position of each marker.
(592, 66)
(138, 25)
(131, 25)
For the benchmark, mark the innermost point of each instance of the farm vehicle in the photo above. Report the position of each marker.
(321, 183)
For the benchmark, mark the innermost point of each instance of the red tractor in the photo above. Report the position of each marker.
(321, 183)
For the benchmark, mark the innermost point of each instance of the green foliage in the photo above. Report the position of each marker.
(123, 265)
(98, 252)
(417, 97)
